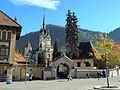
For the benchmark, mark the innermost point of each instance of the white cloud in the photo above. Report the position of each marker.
(50, 4)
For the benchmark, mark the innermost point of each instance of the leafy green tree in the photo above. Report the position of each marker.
(72, 35)
(41, 59)
(56, 51)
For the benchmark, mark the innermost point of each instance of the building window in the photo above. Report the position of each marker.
(78, 64)
(87, 64)
(3, 52)
(4, 35)
(48, 50)
(9, 36)
(0, 35)
(48, 55)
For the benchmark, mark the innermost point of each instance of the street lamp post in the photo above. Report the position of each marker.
(26, 68)
(107, 73)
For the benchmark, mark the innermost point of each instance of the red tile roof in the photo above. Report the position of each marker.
(19, 57)
(5, 20)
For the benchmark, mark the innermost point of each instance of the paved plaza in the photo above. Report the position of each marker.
(61, 84)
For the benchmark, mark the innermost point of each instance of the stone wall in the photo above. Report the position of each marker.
(37, 72)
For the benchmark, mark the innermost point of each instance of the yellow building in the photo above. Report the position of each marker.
(9, 32)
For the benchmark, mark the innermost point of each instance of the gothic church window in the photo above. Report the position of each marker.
(48, 55)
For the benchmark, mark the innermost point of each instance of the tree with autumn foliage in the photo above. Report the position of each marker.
(104, 46)
(115, 56)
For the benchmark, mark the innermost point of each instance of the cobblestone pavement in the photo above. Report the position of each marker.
(60, 84)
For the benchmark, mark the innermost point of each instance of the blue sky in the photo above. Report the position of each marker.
(96, 15)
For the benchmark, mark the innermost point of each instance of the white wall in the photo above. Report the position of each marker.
(46, 74)
(114, 72)
(82, 74)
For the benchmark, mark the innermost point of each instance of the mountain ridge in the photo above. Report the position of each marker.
(58, 32)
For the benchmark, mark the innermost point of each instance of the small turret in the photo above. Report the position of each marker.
(15, 19)
(28, 48)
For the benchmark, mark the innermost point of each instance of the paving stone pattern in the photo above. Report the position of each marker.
(60, 84)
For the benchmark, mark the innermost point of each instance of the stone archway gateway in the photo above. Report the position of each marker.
(63, 70)
(62, 66)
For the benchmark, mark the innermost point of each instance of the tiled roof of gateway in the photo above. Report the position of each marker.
(6, 20)
(19, 57)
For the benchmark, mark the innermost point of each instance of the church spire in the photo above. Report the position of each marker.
(44, 21)
(44, 26)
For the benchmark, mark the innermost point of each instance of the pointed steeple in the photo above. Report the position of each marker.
(15, 19)
(44, 22)
(28, 45)
(44, 26)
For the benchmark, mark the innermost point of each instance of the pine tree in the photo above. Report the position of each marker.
(56, 51)
(72, 37)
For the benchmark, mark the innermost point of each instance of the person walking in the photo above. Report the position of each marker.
(98, 75)
(30, 77)
(69, 77)
(87, 75)
(27, 76)
(103, 73)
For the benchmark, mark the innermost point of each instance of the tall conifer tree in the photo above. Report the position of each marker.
(72, 35)
(41, 59)
(56, 51)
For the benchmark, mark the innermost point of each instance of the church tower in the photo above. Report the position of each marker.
(45, 43)
(28, 48)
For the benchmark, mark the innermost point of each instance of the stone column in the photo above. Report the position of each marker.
(9, 75)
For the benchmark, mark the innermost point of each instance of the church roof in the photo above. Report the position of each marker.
(86, 49)
(28, 45)
(5, 20)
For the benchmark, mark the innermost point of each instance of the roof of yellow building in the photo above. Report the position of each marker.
(5, 20)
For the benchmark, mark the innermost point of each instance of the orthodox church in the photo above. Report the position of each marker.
(44, 46)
